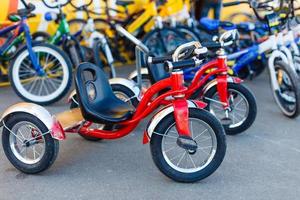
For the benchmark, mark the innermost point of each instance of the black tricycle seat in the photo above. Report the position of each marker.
(97, 101)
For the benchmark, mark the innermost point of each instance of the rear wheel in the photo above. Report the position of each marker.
(242, 112)
(125, 94)
(288, 95)
(28, 144)
(183, 165)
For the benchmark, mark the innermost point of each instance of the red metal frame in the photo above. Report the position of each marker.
(179, 94)
(147, 105)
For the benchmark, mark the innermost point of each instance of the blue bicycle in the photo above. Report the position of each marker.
(39, 72)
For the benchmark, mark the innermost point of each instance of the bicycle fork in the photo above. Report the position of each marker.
(33, 57)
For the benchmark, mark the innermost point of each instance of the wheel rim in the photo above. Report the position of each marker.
(239, 108)
(29, 145)
(122, 96)
(41, 88)
(180, 159)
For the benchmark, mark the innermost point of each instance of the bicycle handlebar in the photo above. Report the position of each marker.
(234, 3)
(133, 39)
(55, 6)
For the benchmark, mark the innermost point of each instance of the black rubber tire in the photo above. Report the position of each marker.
(69, 71)
(166, 169)
(123, 89)
(295, 87)
(51, 151)
(158, 31)
(89, 138)
(251, 102)
(41, 34)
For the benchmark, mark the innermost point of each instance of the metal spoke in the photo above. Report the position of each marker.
(239, 102)
(164, 135)
(41, 87)
(181, 158)
(201, 133)
(203, 140)
(33, 149)
(178, 155)
(192, 160)
(242, 110)
(171, 148)
(204, 147)
(191, 128)
(33, 84)
(203, 151)
(21, 134)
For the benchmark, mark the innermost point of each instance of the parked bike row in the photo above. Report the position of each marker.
(190, 71)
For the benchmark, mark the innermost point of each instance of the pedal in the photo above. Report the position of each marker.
(187, 143)
(226, 121)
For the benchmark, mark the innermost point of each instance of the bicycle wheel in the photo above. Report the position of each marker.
(26, 145)
(162, 41)
(45, 88)
(41, 36)
(189, 33)
(288, 95)
(184, 165)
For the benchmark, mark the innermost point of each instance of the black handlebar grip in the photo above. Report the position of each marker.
(211, 45)
(180, 64)
(234, 3)
(157, 60)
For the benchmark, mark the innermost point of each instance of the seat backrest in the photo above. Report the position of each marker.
(156, 71)
(92, 88)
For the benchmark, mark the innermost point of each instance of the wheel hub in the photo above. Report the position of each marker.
(187, 143)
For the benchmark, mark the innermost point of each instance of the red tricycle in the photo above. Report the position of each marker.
(187, 143)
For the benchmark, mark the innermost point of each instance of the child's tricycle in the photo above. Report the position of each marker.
(187, 143)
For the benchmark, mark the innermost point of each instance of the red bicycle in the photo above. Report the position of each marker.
(187, 143)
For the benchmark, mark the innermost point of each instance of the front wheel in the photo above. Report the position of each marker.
(47, 84)
(28, 144)
(183, 165)
(287, 96)
(242, 111)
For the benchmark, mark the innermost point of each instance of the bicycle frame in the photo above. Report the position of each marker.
(147, 106)
(20, 29)
(61, 33)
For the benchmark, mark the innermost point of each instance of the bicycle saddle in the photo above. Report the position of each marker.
(124, 2)
(97, 101)
(214, 24)
(24, 12)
